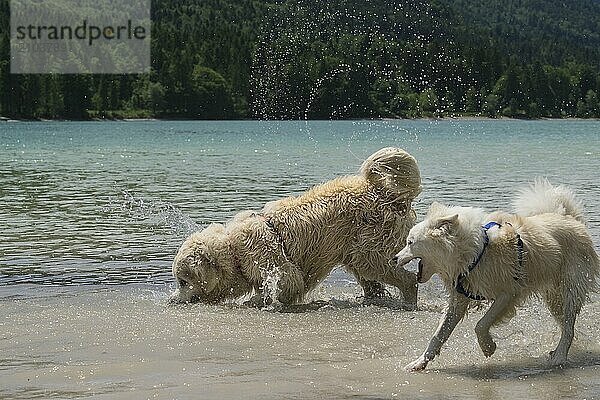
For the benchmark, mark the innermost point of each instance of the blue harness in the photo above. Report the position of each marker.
(486, 240)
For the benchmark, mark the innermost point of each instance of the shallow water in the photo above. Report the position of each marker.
(93, 213)
(125, 343)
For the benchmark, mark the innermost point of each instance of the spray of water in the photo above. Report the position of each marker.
(340, 58)
(152, 212)
(271, 276)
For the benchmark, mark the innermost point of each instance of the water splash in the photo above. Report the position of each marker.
(152, 212)
(345, 58)
(343, 68)
(271, 276)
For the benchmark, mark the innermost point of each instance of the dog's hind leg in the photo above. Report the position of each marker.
(559, 355)
(372, 289)
(571, 305)
(502, 306)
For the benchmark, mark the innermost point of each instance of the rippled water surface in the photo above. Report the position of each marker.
(93, 213)
(108, 203)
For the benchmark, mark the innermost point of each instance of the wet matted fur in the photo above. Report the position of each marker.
(544, 249)
(284, 251)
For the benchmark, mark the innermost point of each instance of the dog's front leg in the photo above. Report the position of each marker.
(457, 307)
(256, 301)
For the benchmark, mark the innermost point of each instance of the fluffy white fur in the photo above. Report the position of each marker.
(284, 251)
(560, 263)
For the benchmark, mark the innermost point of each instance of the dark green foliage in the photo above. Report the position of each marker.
(323, 59)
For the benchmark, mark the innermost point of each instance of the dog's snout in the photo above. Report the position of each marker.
(174, 299)
(179, 298)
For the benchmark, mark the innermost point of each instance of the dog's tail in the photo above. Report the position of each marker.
(541, 197)
(394, 170)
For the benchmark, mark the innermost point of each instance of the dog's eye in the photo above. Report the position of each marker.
(410, 242)
(182, 283)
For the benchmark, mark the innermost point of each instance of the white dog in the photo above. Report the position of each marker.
(283, 252)
(545, 249)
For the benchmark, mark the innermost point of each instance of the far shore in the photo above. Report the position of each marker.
(443, 118)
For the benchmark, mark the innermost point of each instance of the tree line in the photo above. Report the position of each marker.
(318, 59)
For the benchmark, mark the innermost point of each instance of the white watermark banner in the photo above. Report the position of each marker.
(79, 36)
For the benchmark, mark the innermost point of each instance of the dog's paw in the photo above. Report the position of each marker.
(556, 360)
(256, 301)
(488, 348)
(418, 365)
(485, 341)
(392, 303)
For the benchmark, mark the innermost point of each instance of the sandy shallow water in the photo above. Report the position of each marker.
(127, 343)
(92, 215)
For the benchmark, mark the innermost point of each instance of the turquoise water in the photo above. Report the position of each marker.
(93, 213)
(108, 203)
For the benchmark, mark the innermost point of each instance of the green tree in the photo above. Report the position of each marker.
(429, 102)
(148, 95)
(491, 105)
(76, 96)
(101, 99)
(50, 98)
(592, 105)
(156, 97)
(211, 98)
(472, 101)
(338, 59)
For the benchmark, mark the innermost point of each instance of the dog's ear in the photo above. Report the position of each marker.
(445, 225)
(199, 268)
(207, 270)
(210, 277)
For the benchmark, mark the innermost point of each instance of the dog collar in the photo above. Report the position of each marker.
(460, 288)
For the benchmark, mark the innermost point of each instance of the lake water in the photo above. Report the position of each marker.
(92, 215)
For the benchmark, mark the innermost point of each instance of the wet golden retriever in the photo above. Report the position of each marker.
(284, 251)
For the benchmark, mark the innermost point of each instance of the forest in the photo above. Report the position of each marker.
(338, 59)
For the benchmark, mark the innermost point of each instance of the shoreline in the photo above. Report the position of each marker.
(445, 118)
